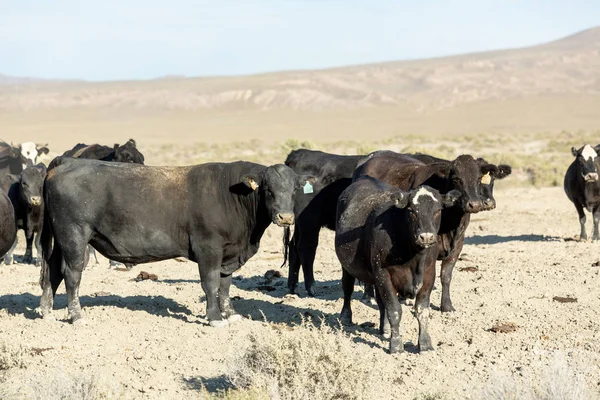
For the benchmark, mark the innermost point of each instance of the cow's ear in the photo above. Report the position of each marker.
(116, 146)
(489, 169)
(15, 152)
(503, 171)
(442, 169)
(574, 151)
(42, 149)
(449, 199)
(400, 199)
(302, 179)
(131, 142)
(252, 181)
(42, 168)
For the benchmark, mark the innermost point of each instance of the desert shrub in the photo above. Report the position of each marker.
(11, 357)
(561, 383)
(61, 386)
(295, 144)
(365, 148)
(315, 363)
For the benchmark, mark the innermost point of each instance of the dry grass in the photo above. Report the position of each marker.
(304, 362)
(561, 383)
(11, 357)
(86, 385)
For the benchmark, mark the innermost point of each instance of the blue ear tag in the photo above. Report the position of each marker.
(308, 188)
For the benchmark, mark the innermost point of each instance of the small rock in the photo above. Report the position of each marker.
(503, 327)
(272, 274)
(468, 269)
(565, 299)
(145, 275)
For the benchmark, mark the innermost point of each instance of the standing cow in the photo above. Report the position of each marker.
(25, 193)
(465, 174)
(8, 230)
(387, 237)
(127, 153)
(314, 208)
(583, 187)
(214, 214)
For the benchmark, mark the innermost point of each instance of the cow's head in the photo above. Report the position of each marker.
(424, 207)
(31, 152)
(465, 175)
(490, 172)
(277, 184)
(587, 159)
(128, 153)
(32, 183)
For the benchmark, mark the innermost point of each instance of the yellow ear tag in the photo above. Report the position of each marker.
(253, 184)
(486, 179)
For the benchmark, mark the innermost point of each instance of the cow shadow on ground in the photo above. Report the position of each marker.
(26, 304)
(495, 239)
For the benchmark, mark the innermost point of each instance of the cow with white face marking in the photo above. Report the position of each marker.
(583, 187)
(31, 151)
(388, 237)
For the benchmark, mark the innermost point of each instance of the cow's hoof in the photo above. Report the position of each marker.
(311, 292)
(396, 347)
(8, 260)
(27, 260)
(46, 315)
(447, 308)
(235, 318)
(425, 347)
(79, 321)
(219, 323)
(346, 318)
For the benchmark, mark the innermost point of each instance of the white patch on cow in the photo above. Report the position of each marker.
(422, 192)
(588, 152)
(486, 179)
(29, 151)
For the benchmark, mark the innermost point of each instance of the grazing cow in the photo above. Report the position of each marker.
(8, 230)
(583, 187)
(487, 182)
(464, 174)
(214, 214)
(387, 237)
(32, 151)
(127, 153)
(25, 193)
(11, 160)
(314, 208)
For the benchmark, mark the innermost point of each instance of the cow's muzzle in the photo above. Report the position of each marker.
(489, 204)
(426, 239)
(284, 219)
(35, 200)
(474, 206)
(591, 177)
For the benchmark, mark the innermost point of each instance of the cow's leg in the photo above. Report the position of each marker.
(348, 288)
(422, 302)
(74, 264)
(227, 311)
(582, 234)
(28, 257)
(50, 280)
(596, 235)
(369, 295)
(391, 306)
(446, 275)
(38, 248)
(293, 263)
(308, 250)
(209, 266)
(8, 258)
(385, 329)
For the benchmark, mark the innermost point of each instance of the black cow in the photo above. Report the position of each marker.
(214, 214)
(8, 230)
(583, 187)
(127, 153)
(316, 209)
(11, 160)
(464, 174)
(387, 237)
(487, 182)
(25, 193)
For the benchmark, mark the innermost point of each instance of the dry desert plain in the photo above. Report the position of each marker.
(149, 339)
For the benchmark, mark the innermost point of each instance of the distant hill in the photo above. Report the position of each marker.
(551, 86)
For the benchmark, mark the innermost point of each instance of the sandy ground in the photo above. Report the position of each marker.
(151, 340)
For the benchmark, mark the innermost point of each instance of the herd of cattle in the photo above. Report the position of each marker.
(393, 215)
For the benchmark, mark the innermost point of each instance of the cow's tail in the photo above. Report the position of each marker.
(46, 240)
(286, 245)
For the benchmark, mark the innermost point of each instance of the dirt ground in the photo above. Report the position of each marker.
(150, 338)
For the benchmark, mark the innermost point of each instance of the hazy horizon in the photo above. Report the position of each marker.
(147, 40)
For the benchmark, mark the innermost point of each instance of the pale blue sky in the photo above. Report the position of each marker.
(139, 39)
